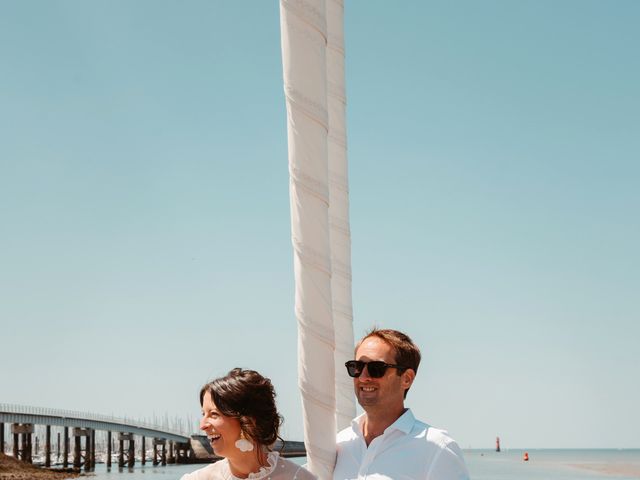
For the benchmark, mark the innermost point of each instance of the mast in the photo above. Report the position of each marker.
(340, 232)
(304, 36)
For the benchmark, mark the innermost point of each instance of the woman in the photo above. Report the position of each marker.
(241, 421)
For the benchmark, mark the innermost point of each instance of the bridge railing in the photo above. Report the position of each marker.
(54, 412)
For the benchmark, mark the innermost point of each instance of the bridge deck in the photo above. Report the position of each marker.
(66, 418)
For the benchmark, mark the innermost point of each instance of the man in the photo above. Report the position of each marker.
(386, 441)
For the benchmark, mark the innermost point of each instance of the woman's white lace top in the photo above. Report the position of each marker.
(278, 469)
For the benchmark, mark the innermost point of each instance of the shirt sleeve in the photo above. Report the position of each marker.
(448, 465)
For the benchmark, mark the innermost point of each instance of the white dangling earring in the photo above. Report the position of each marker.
(243, 444)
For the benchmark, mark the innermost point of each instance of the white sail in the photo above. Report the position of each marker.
(304, 36)
(340, 232)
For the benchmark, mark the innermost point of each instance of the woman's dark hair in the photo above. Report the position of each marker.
(251, 398)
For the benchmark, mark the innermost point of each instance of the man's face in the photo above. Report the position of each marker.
(384, 392)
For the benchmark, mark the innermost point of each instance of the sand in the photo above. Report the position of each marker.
(12, 469)
(621, 469)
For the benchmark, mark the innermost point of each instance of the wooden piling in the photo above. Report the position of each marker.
(78, 433)
(171, 458)
(26, 447)
(47, 446)
(132, 453)
(121, 453)
(87, 450)
(22, 434)
(109, 449)
(131, 458)
(144, 452)
(76, 452)
(155, 453)
(65, 455)
(93, 450)
(15, 443)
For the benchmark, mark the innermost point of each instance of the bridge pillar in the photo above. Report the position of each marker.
(78, 433)
(1, 437)
(155, 453)
(15, 444)
(109, 449)
(37, 444)
(47, 446)
(88, 465)
(132, 453)
(58, 448)
(76, 448)
(131, 457)
(22, 441)
(26, 447)
(144, 452)
(120, 452)
(28, 437)
(172, 458)
(93, 449)
(65, 455)
(159, 442)
(178, 452)
(76, 453)
(182, 452)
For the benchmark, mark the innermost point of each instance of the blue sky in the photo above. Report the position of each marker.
(494, 171)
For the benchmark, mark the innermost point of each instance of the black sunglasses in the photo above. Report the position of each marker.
(376, 369)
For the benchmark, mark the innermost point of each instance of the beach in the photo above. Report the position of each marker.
(12, 469)
(554, 464)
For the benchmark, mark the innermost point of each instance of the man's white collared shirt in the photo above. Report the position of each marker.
(408, 449)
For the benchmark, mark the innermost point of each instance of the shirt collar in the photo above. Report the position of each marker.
(356, 424)
(404, 423)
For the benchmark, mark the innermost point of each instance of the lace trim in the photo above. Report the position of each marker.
(272, 459)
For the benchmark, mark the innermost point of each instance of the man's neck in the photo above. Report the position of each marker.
(376, 422)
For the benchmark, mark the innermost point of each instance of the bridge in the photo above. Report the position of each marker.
(83, 426)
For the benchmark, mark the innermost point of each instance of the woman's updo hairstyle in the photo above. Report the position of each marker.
(249, 397)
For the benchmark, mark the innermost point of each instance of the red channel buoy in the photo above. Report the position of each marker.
(525, 457)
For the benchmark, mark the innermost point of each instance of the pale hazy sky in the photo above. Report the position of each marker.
(494, 166)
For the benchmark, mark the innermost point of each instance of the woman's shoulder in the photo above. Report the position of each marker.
(210, 472)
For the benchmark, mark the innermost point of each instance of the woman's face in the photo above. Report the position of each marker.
(222, 431)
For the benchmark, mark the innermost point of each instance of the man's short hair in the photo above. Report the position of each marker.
(407, 352)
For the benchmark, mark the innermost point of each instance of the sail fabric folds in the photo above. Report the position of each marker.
(313, 68)
(340, 233)
(304, 36)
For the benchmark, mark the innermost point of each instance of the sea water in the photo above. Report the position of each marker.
(483, 465)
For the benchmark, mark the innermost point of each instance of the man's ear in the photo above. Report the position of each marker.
(407, 378)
